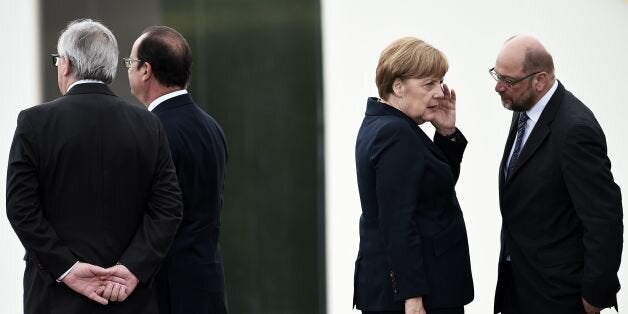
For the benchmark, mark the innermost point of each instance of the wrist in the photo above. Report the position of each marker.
(447, 132)
(65, 275)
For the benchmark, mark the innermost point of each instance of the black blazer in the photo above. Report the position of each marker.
(413, 240)
(90, 178)
(562, 213)
(192, 277)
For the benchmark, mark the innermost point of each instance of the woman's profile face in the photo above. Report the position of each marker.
(420, 97)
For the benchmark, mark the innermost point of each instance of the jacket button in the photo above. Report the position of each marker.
(392, 274)
(395, 290)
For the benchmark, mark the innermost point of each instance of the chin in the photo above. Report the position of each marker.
(426, 117)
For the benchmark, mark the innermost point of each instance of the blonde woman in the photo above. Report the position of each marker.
(414, 255)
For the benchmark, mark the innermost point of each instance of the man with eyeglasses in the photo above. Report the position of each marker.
(191, 280)
(92, 191)
(562, 230)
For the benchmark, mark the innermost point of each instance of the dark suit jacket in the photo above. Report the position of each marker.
(192, 277)
(90, 178)
(413, 240)
(562, 213)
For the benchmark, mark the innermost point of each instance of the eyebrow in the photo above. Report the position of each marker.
(504, 77)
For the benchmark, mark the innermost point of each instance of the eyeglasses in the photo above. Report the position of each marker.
(55, 59)
(510, 82)
(128, 62)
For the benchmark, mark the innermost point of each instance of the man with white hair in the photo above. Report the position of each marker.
(92, 191)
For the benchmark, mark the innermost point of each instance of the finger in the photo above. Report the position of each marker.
(107, 293)
(116, 279)
(123, 295)
(115, 292)
(100, 290)
(453, 96)
(95, 297)
(99, 271)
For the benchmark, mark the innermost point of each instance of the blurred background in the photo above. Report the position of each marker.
(256, 70)
(288, 82)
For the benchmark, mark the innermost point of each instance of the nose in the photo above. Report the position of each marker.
(500, 87)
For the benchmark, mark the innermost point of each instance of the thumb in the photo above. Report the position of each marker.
(98, 271)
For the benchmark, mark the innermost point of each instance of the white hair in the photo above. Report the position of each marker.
(92, 50)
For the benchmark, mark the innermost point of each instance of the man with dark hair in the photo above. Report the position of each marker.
(562, 227)
(191, 280)
(91, 184)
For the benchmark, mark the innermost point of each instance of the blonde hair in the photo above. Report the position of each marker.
(408, 57)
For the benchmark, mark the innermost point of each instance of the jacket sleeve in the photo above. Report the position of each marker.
(399, 166)
(597, 200)
(161, 220)
(24, 207)
(453, 147)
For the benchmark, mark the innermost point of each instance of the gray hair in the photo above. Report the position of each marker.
(91, 48)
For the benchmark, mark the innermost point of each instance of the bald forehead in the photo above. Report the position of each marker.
(512, 55)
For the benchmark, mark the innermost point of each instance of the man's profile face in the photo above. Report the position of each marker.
(135, 71)
(520, 95)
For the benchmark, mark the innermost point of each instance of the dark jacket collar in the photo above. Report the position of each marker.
(90, 88)
(174, 102)
(376, 108)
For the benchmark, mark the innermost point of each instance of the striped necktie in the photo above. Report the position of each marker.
(521, 130)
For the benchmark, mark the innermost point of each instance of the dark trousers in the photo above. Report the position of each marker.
(455, 310)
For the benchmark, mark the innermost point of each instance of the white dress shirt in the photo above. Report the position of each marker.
(83, 82)
(165, 97)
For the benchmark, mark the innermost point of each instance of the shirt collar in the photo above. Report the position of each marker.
(165, 97)
(535, 112)
(83, 82)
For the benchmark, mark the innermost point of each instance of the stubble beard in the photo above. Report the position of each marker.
(525, 104)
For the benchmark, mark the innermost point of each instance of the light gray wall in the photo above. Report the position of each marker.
(588, 40)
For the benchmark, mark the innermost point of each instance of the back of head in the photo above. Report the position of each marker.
(169, 55)
(408, 57)
(92, 50)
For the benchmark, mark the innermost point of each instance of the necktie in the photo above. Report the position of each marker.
(521, 129)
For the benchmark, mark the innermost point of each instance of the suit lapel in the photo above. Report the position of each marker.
(509, 142)
(430, 144)
(540, 132)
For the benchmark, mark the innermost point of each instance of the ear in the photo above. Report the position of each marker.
(398, 87)
(542, 79)
(66, 67)
(146, 71)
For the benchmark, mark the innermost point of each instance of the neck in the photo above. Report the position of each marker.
(397, 104)
(159, 91)
(545, 90)
(63, 87)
